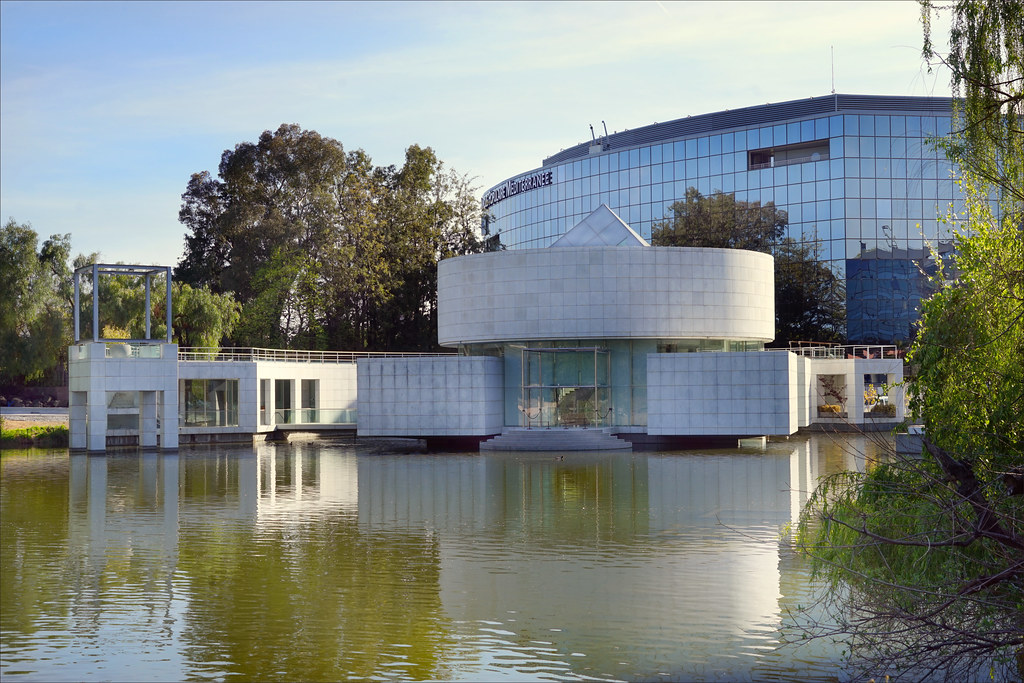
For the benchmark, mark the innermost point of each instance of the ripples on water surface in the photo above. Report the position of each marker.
(318, 562)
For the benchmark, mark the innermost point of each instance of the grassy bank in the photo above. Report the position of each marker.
(55, 436)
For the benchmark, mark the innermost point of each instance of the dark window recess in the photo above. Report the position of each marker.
(785, 155)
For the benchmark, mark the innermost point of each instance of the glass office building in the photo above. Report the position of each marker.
(858, 173)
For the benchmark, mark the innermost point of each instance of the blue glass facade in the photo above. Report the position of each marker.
(858, 173)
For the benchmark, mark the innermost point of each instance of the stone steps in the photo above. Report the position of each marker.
(555, 440)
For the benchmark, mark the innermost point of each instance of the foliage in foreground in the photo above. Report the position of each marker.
(925, 555)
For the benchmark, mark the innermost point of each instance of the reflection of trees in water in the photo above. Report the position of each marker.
(309, 599)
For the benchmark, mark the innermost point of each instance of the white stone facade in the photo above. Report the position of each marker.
(606, 292)
(144, 376)
(730, 394)
(446, 396)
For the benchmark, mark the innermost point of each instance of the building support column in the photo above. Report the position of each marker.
(169, 419)
(147, 419)
(77, 416)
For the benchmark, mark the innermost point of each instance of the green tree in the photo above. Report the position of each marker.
(720, 220)
(810, 301)
(321, 247)
(925, 555)
(35, 316)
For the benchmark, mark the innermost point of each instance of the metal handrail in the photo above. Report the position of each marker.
(862, 351)
(252, 354)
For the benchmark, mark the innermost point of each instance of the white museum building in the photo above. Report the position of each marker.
(598, 341)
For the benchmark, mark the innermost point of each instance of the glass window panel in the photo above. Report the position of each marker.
(666, 153)
(783, 193)
(691, 170)
(793, 132)
(767, 195)
(656, 174)
(691, 148)
(836, 126)
(645, 193)
(821, 211)
(765, 137)
(942, 125)
(779, 135)
(741, 181)
(851, 146)
(867, 208)
(634, 195)
(867, 146)
(883, 208)
(882, 169)
(703, 147)
(883, 147)
(852, 208)
(881, 125)
(716, 144)
(851, 125)
(613, 162)
(704, 185)
(728, 143)
(753, 139)
(883, 187)
(728, 182)
(928, 126)
(668, 171)
(645, 175)
(703, 166)
(678, 150)
(728, 163)
(822, 189)
(806, 172)
(603, 187)
(836, 210)
(740, 140)
(777, 176)
(634, 158)
(657, 192)
(645, 156)
(716, 164)
(655, 154)
(867, 125)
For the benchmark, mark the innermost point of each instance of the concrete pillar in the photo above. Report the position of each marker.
(96, 421)
(169, 419)
(77, 415)
(147, 419)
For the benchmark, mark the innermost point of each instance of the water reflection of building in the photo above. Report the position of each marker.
(571, 550)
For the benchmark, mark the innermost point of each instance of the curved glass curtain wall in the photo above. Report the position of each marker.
(604, 383)
(873, 203)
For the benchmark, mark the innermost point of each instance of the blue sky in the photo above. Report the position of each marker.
(106, 109)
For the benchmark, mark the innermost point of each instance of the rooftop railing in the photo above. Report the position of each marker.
(844, 350)
(195, 353)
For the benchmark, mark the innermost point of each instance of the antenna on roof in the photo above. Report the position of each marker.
(605, 127)
(592, 136)
(833, 48)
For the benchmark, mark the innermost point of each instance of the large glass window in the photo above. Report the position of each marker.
(208, 402)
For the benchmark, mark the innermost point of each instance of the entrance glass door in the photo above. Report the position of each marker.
(566, 387)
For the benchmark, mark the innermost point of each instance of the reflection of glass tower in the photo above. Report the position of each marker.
(856, 172)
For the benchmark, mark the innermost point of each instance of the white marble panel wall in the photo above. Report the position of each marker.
(449, 396)
(606, 292)
(722, 394)
(92, 375)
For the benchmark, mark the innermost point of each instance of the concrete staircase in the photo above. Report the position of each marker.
(556, 439)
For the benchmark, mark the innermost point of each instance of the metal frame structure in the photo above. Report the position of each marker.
(98, 269)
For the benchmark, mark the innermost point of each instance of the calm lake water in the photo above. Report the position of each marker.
(324, 561)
